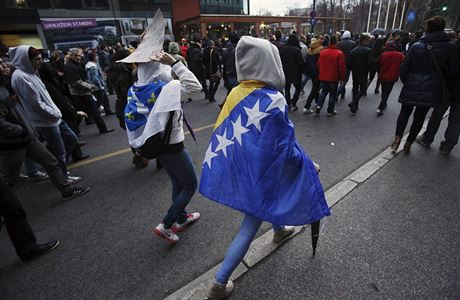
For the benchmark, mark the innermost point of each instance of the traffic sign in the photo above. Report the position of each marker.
(411, 14)
(313, 14)
(313, 21)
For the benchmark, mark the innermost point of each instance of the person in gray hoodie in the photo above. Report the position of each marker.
(44, 115)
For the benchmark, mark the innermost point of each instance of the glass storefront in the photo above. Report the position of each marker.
(230, 7)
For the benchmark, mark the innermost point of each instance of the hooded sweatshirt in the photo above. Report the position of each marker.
(31, 90)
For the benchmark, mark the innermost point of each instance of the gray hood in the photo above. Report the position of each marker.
(20, 58)
(173, 48)
(258, 59)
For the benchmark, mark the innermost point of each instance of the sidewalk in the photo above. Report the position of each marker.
(397, 235)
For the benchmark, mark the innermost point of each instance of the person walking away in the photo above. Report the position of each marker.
(156, 107)
(376, 51)
(278, 42)
(311, 66)
(212, 63)
(41, 110)
(359, 63)
(228, 59)
(81, 90)
(96, 77)
(332, 71)
(18, 227)
(194, 59)
(452, 132)
(275, 181)
(346, 45)
(423, 86)
(388, 67)
(175, 52)
(304, 50)
(293, 66)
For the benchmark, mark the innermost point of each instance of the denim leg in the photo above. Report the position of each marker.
(179, 167)
(304, 81)
(453, 128)
(55, 144)
(332, 96)
(314, 93)
(403, 118)
(324, 91)
(70, 139)
(434, 122)
(31, 166)
(277, 227)
(387, 86)
(238, 248)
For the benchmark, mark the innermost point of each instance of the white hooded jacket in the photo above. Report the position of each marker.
(31, 90)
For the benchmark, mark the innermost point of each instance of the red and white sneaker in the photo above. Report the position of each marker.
(166, 234)
(191, 219)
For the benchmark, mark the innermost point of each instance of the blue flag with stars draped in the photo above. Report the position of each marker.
(254, 164)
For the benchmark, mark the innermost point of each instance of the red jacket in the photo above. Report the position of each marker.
(331, 65)
(183, 50)
(389, 63)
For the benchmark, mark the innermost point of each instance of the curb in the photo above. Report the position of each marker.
(263, 245)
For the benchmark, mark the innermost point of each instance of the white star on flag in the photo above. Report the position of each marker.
(209, 156)
(238, 130)
(277, 102)
(223, 143)
(255, 116)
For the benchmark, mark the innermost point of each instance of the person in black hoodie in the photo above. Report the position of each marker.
(312, 70)
(453, 127)
(346, 45)
(212, 63)
(359, 63)
(293, 66)
(423, 86)
(194, 59)
(376, 51)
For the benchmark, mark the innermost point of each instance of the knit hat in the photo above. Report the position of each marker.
(346, 35)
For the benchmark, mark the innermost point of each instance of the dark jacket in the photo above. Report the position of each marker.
(211, 60)
(76, 79)
(228, 59)
(359, 61)
(195, 60)
(346, 45)
(16, 131)
(311, 64)
(422, 84)
(453, 82)
(293, 64)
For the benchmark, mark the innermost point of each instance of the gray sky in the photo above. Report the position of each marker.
(277, 7)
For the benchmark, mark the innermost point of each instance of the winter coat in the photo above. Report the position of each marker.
(228, 59)
(211, 60)
(195, 60)
(422, 84)
(104, 59)
(35, 99)
(76, 79)
(346, 45)
(389, 64)
(293, 63)
(453, 83)
(175, 51)
(94, 74)
(16, 131)
(360, 60)
(331, 65)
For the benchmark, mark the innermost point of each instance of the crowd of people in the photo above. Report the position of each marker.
(43, 101)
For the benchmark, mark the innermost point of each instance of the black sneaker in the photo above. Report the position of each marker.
(444, 150)
(74, 192)
(317, 110)
(106, 131)
(331, 113)
(352, 109)
(422, 142)
(40, 250)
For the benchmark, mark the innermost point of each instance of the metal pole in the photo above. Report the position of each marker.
(396, 13)
(312, 27)
(388, 10)
(369, 17)
(402, 15)
(378, 15)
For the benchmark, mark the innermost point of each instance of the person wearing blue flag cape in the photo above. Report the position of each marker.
(253, 163)
(154, 110)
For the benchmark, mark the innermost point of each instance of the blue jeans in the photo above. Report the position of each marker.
(181, 171)
(240, 246)
(331, 89)
(305, 78)
(341, 90)
(60, 141)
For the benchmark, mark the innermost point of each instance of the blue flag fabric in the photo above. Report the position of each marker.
(254, 164)
(141, 100)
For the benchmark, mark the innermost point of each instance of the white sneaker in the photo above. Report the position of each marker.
(166, 234)
(379, 112)
(219, 291)
(191, 219)
(73, 179)
(307, 111)
(279, 236)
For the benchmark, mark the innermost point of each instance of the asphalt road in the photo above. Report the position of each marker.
(107, 247)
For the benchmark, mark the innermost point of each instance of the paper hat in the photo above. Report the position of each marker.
(151, 44)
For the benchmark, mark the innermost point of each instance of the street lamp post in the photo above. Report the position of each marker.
(378, 14)
(369, 17)
(396, 13)
(388, 11)
(312, 25)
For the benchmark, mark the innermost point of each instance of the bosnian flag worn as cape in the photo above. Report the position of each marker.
(254, 164)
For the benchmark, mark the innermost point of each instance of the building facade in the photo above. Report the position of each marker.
(52, 24)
